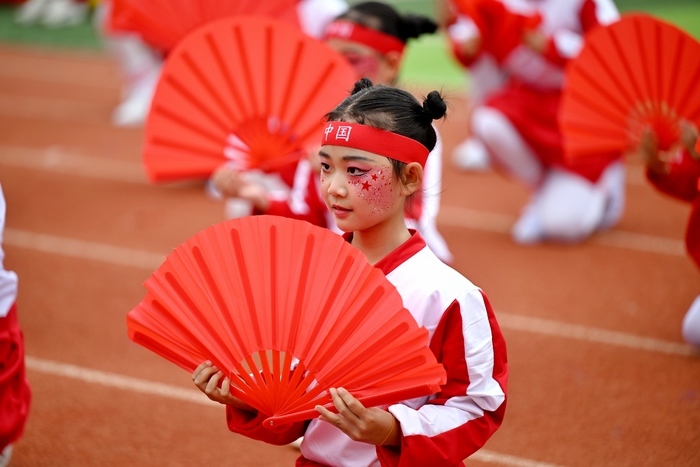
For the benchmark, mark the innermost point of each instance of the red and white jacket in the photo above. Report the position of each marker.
(441, 430)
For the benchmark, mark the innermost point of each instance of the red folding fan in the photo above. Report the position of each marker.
(163, 23)
(250, 90)
(287, 310)
(636, 74)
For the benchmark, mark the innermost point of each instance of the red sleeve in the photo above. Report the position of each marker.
(464, 59)
(682, 180)
(250, 425)
(588, 16)
(482, 408)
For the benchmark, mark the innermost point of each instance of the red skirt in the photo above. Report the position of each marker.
(534, 113)
(15, 393)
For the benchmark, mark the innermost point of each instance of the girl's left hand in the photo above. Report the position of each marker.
(373, 425)
(535, 40)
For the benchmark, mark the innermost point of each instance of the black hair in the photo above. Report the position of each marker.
(392, 109)
(385, 18)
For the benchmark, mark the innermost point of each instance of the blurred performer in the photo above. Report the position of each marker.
(518, 124)
(484, 74)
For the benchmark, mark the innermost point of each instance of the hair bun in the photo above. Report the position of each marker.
(361, 84)
(434, 105)
(414, 26)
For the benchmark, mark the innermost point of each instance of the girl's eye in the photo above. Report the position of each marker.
(325, 167)
(356, 171)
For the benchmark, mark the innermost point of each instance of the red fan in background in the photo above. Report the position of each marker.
(501, 29)
(256, 294)
(637, 74)
(248, 89)
(163, 23)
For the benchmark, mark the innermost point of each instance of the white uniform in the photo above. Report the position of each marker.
(8, 279)
(518, 126)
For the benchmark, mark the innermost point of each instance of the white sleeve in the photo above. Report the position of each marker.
(8, 279)
(315, 15)
(432, 184)
(606, 11)
(463, 30)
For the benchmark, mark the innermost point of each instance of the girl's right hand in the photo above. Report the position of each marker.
(207, 377)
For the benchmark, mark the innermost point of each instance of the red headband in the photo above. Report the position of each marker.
(370, 139)
(377, 40)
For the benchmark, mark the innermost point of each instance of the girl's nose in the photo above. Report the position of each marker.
(337, 187)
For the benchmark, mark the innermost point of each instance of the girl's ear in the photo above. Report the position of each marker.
(393, 60)
(412, 178)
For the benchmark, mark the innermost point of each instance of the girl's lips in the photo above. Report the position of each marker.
(340, 211)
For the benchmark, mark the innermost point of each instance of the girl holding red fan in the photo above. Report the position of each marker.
(677, 173)
(373, 153)
(518, 124)
(372, 36)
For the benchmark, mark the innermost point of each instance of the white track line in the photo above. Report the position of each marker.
(61, 161)
(151, 261)
(82, 249)
(58, 160)
(590, 334)
(152, 388)
(116, 381)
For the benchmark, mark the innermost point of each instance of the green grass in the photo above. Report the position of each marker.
(82, 36)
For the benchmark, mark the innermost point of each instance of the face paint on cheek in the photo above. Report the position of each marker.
(365, 66)
(376, 188)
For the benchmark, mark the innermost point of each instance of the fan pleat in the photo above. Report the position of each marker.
(286, 310)
(632, 75)
(248, 89)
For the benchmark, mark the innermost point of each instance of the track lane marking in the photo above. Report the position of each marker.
(151, 261)
(83, 249)
(59, 161)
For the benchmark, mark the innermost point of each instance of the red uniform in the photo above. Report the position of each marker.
(15, 393)
(683, 182)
